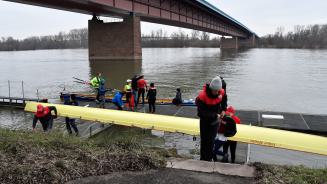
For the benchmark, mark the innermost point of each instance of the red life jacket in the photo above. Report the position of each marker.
(211, 101)
(42, 113)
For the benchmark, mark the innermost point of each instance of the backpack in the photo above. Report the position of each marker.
(230, 127)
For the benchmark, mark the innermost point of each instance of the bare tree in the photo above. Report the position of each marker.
(205, 36)
(195, 35)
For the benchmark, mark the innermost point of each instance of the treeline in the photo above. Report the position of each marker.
(76, 38)
(196, 38)
(311, 37)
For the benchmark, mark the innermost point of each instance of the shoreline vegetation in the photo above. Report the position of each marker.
(53, 157)
(303, 37)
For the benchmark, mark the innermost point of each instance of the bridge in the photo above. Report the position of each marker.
(122, 40)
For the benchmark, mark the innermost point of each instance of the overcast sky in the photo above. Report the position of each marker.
(261, 16)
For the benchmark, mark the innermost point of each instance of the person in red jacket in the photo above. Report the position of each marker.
(44, 115)
(231, 144)
(142, 87)
(210, 103)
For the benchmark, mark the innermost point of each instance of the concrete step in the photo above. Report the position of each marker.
(211, 167)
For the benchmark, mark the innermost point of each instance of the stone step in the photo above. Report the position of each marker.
(211, 167)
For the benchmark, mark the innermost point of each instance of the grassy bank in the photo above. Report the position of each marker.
(274, 174)
(36, 157)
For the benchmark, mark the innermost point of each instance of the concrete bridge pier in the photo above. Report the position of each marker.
(236, 43)
(115, 40)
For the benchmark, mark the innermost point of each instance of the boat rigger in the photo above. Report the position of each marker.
(245, 133)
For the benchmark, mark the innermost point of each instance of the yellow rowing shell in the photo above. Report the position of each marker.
(245, 133)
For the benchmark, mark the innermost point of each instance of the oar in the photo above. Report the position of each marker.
(81, 82)
(78, 79)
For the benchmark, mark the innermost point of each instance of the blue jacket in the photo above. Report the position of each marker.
(118, 99)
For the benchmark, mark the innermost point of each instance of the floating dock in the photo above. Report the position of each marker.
(18, 102)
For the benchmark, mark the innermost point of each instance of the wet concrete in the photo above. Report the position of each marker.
(241, 170)
(279, 156)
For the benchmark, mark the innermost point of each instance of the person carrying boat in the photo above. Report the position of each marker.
(231, 144)
(95, 83)
(118, 100)
(142, 87)
(210, 105)
(152, 97)
(128, 90)
(178, 99)
(70, 122)
(135, 88)
(44, 115)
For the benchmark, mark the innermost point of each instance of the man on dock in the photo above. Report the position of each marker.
(142, 88)
(95, 83)
(44, 115)
(210, 104)
(135, 79)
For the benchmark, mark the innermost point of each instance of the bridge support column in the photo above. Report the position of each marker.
(236, 43)
(229, 43)
(115, 40)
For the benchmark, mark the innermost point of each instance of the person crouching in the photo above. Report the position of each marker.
(118, 100)
(44, 115)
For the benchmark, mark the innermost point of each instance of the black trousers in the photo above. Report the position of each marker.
(47, 125)
(70, 123)
(232, 145)
(141, 92)
(152, 106)
(98, 95)
(207, 134)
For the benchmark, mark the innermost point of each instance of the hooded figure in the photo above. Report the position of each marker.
(231, 144)
(210, 102)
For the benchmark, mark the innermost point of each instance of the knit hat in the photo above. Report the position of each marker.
(215, 83)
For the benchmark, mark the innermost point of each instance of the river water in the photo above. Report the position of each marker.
(288, 80)
(291, 80)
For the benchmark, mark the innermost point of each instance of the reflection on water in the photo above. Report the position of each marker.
(15, 119)
(116, 72)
